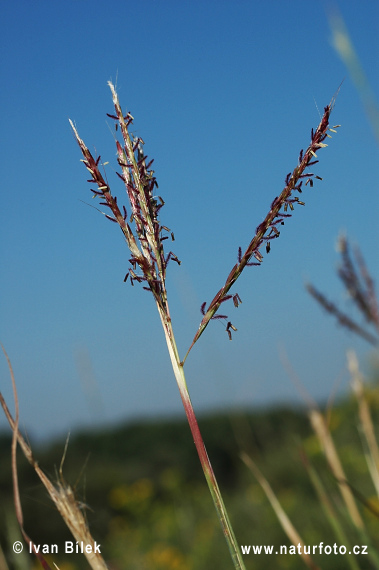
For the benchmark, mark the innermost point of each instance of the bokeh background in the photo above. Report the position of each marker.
(224, 95)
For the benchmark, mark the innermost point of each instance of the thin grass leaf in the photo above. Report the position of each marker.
(283, 518)
(367, 427)
(329, 511)
(323, 433)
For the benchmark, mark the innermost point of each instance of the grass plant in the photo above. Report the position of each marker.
(148, 256)
(146, 238)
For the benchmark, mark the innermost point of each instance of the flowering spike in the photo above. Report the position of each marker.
(277, 213)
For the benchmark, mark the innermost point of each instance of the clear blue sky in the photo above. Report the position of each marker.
(224, 94)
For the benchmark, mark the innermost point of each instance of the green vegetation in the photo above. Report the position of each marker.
(143, 494)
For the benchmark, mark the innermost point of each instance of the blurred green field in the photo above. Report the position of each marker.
(148, 505)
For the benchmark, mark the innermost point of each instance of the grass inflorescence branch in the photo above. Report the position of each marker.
(281, 208)
(148, 261)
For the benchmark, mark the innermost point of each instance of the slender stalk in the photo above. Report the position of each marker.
(199, 443)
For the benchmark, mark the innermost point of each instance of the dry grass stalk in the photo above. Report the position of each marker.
(372, 457)
(329, 509)
(323, 433)
(62, 495)
(285, 522)
(344, 46)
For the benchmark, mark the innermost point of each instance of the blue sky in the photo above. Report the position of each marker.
(224, 95)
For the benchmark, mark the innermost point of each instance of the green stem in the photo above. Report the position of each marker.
(199, 443)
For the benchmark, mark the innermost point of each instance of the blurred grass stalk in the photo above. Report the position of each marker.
(366, 425)
(322, 431)
(283, 518)
(344, 47)
(329, 510)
